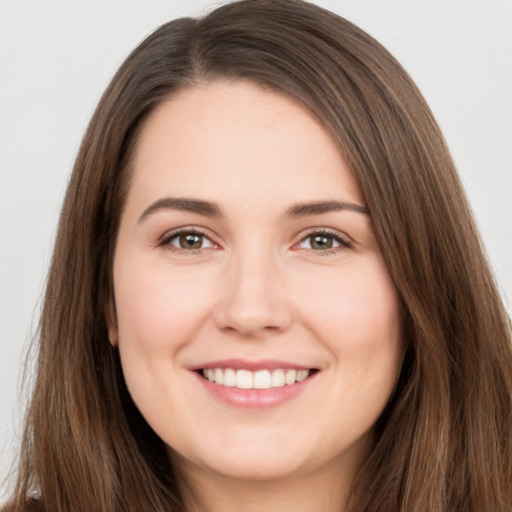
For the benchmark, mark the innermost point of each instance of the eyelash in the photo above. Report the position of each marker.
(166, 240)
(344, 242)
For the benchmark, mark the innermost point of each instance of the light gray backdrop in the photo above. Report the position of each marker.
(56, 58)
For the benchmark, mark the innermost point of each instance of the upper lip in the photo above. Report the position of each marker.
(242, 364)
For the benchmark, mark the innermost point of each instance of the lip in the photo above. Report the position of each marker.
(253, 399)
(253, 366)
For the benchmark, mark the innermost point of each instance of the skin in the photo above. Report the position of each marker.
(257, 288)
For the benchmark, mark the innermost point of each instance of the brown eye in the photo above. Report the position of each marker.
(324, 241)
(321, 242)
(187, 241)
(190, 241)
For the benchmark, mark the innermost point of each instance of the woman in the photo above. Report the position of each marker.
(267, 289)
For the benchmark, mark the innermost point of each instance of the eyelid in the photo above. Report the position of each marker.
(344, 240)
(164, 241)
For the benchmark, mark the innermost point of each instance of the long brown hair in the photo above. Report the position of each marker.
(444, 442)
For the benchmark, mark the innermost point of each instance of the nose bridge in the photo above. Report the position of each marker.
(252, 299)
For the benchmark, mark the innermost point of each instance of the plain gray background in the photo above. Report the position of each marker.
(56, 58)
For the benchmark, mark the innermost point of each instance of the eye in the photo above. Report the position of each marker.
(323, 241)
(187, 240)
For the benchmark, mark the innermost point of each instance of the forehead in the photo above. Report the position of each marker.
(236, 139)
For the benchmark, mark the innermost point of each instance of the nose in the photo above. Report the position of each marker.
(254, 302)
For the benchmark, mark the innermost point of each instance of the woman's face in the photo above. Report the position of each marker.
(257, 324)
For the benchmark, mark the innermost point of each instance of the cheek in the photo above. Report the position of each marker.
(159, 309)
(158, 313)
(359, 306)
(362, 328)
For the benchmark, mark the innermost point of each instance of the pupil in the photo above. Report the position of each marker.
(321, 242)
(190, 241)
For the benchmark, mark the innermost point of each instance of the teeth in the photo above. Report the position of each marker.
(261, 379)
(278, 378)
(229, 378)
(290, 376)
(243, 379)
(302, 374)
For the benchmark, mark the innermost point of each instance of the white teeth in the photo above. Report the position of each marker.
(229, 378)
(290, 376)
(278, 378)
(302, 374)
(244, 379)
(261, 379)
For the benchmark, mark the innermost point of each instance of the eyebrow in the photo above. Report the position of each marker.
(210, 209)
(184, 204)
(319, 207)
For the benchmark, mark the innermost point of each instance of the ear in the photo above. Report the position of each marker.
(113, 335)
(111, 317)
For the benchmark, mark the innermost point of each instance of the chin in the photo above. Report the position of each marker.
(254, 469)
(258, 461)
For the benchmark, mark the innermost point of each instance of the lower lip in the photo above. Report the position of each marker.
(255, 398)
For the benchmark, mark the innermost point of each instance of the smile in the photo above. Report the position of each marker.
(261, 379)
(254, 385)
